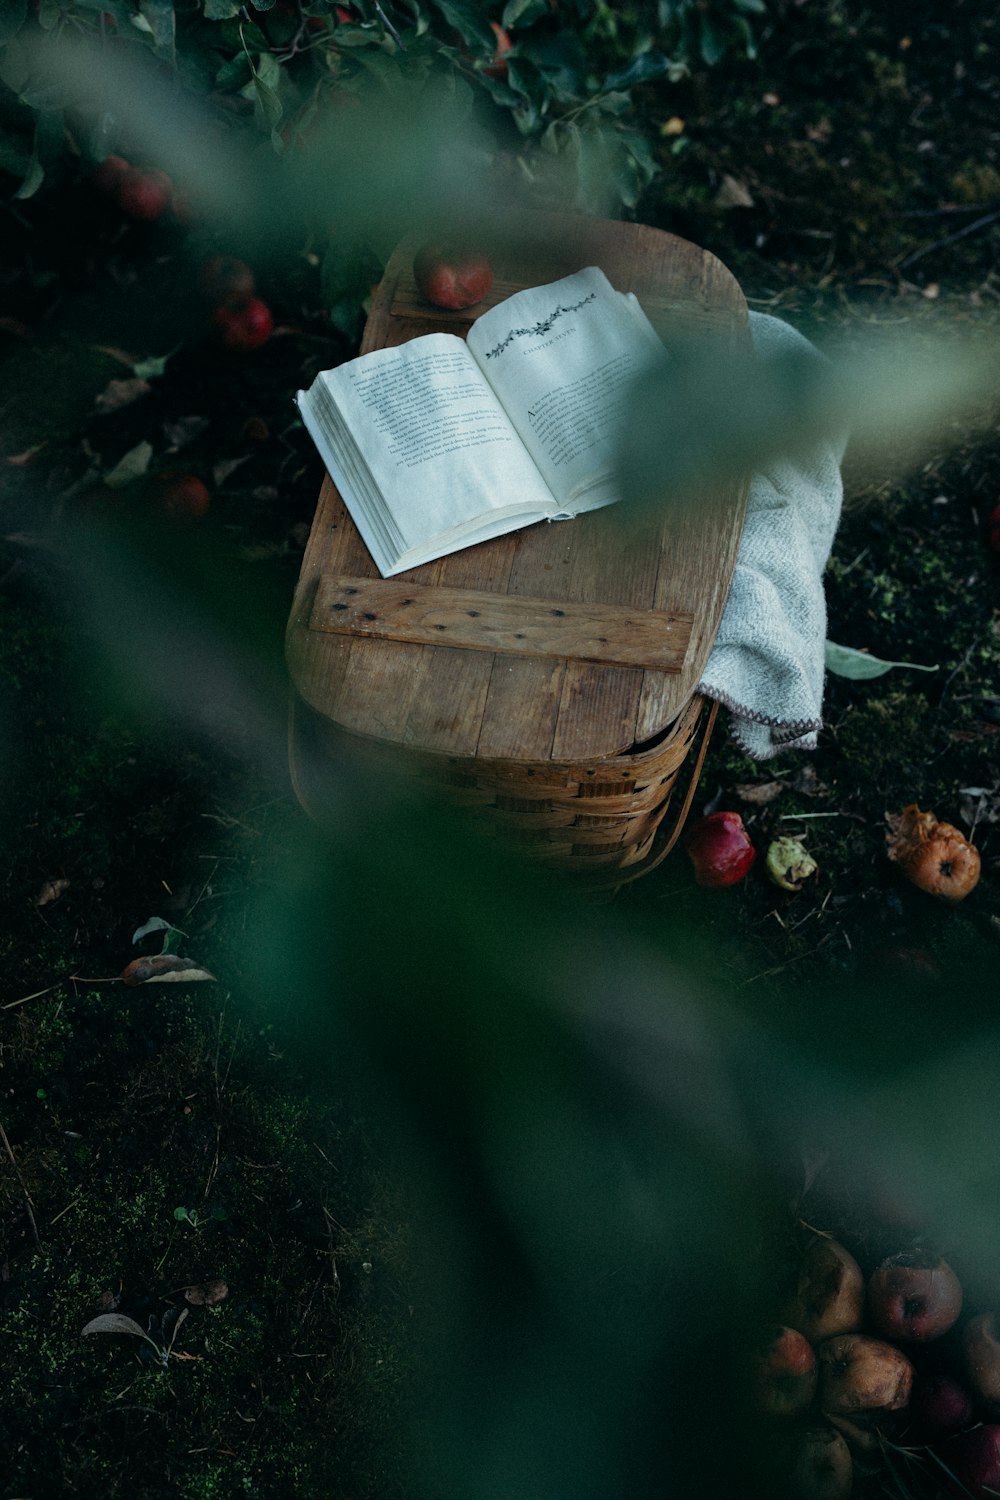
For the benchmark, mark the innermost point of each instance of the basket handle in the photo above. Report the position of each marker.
(627, 876)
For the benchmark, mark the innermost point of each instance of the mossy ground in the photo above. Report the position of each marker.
(861, 143)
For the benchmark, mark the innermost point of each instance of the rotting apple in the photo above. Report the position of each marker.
(244, 326)
(820, 1466)
(783, 1373)
(981, 1354)
(935, 856)
(720, 849)
(829, 1292)
(940, 1406)
(914, 1297)
(973, 1458)
(861, 1374)
(452, 275)
(789, 864)
(144, 195)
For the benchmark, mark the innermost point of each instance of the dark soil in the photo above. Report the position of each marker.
(150, 781)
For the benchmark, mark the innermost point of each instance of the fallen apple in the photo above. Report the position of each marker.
(973, 1458)
(828, 1296)
(914, 1298)
(783, 1373)
(789, 864)
(224, 278)
(935, 856)
(940, 1406)
(452, 275)
(179, 498)
(819, 1466)
(106, 177)
(243, 326)
(861, 1374)
(720, 849)
(981, 1353)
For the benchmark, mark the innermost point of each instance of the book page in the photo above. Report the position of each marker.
(562, 359)
(438, 446)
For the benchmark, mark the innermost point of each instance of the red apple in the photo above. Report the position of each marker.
(940, 1406)
(820, 1466)
(106, 178)
(144, 195)
(914, 1297)
(720, 849)
(223, 278)
(828, 1296)
(243, 326)
(452, 275)
(859, 1374)
(179, 498)
(974, 1459)
(783, 1373)
(981, 1352)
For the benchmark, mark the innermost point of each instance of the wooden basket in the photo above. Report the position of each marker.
(546, 679)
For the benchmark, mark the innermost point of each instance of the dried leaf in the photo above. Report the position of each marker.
(206, 1293)
(178, 434)
(222, 470)
(20, 459)
(759, 793)
(108, 1301)
(131, 466)
(51, 890)
(164, 968)
(121, 355)
(733, 194)
(119, 393)
(114, 1323)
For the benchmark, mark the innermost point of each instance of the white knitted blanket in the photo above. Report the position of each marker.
(766, 666)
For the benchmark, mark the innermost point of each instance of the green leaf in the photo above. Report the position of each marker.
(469, 21)
(12, 19)
(33, 179)
(561, 61)
(160, 16)
(711, 40)
(523, 12)
(645, 69)
(221, 10)
(844, 661)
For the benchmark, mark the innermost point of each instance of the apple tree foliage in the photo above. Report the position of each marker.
(557, 108)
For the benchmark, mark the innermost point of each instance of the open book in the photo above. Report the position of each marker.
(443, 442)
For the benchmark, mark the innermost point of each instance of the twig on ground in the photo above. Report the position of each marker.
(949, 239)
(24, 1186)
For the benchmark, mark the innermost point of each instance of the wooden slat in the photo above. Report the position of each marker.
(611, 634)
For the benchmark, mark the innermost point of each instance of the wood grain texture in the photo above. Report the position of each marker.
(534, 709)
(476, 620)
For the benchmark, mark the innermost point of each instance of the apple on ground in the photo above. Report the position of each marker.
(106, 177)
(820, 1466)
(860, 1374)
(177, 497)
(783, 1373)
(225, 278)
(981, 1352)
(828, 1296)
(974, 1459)
(720, 849)
(940, 1406)
(451, 274)
(914, 1298)
(243, 326)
